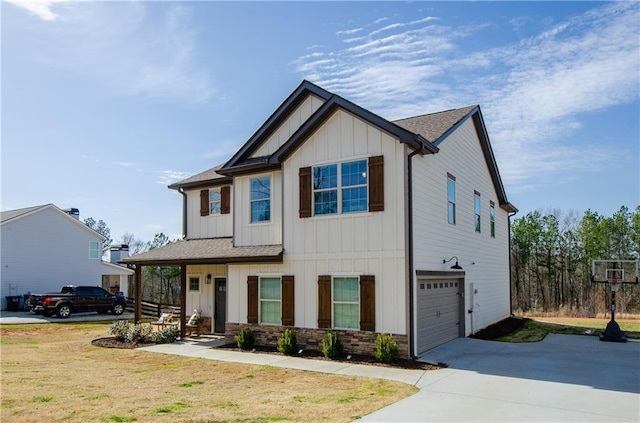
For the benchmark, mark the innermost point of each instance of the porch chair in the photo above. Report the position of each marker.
(194, 324)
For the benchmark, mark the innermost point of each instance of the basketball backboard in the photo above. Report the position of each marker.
(618, 271)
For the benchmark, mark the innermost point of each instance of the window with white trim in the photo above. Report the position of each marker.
(346, 302)
(476, 210)
(451, 199)
(194, 283)
(215, 201)
(260, 199)
(94, 250)
(270, 298)
(492, 218)
(340, 188)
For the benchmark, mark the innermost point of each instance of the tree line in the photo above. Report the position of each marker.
(160, 284)
(551, 257)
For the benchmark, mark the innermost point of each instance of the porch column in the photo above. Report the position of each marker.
(183, 300)
(138, 310)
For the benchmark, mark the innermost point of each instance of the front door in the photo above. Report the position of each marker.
(220, 314)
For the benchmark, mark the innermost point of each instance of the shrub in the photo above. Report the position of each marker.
(288, 342)
(386, 348)
(140, 333)
(245, 339)
(166, 335)
(332, 345)
(119, 329)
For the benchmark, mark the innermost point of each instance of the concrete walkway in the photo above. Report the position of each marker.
(206, 349)
(565, 378)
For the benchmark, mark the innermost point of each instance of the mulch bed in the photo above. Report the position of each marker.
(400, 363)
(503, 327)
(112, 342)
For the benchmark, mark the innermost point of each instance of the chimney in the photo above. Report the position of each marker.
(118, 252)
(73, 212)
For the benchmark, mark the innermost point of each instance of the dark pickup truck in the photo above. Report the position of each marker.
(77, 298)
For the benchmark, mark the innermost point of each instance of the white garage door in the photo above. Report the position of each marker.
(438, 312)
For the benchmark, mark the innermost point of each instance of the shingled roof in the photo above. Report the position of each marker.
(207, 178)
(206, 251)
(435, 126)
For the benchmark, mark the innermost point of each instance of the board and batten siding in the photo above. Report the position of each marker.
(258, 233)
(368, 243)
(485, 260)
(45, 250)
(211, 226)
(289, 126)
(204, 299)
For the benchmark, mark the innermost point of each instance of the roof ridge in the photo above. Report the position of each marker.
(436, 113)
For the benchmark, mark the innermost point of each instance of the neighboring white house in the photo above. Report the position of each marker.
(44, 248)
(332, 218)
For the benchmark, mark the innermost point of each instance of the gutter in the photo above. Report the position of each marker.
(184, 212)
(513, 213)
(410, 250)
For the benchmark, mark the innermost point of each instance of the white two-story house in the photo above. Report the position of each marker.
(43, 248)
(332, 218)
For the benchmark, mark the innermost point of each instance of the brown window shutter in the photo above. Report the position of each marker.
(367, 302)
(287, 300)
(204, 202)
(252, 299)
(305, 192)
(324, 301)
(376, 183)
(225, 200)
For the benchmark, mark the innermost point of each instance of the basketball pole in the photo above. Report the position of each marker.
(612, 332)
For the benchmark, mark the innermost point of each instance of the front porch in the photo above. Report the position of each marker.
(203, 265)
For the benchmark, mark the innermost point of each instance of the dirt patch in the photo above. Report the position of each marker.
(502, 328)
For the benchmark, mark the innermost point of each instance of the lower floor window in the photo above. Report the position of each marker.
(346, 303)
(270, 300)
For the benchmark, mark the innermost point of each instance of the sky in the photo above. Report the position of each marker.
(103, 104)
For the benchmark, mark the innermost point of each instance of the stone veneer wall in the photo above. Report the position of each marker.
(355, 342)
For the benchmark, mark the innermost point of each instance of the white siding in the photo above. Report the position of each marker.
(359, 243)
(289, 126)
(43, 251)
(483, 258)
(260, 233)
(212, 226)
(203, 300)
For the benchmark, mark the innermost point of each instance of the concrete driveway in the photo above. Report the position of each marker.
(25, 317)
(565, 378)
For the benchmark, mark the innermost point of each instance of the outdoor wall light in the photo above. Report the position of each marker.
(455, 266)
(209, 279)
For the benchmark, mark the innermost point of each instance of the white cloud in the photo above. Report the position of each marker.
(127, 49)
(533, 92)
(167, 177)
(40, 8)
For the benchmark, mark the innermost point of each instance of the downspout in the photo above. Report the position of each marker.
(410, 249)
(510, 215)
(184, 212)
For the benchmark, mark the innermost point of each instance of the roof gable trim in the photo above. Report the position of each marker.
(277, 117)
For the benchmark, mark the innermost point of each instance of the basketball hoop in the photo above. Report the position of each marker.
(614, 284)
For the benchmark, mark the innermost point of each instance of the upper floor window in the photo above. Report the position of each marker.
(476, 210)
(214, 201)
(270, 300)
(492, 218)
(261, 199)
(94, 250)
(451, 199)
(340, 188)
